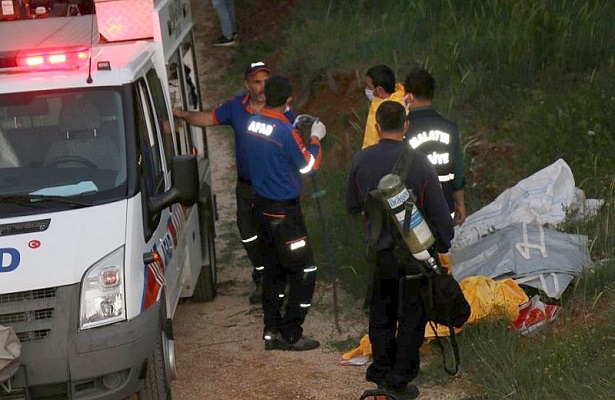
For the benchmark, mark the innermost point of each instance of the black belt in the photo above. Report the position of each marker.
(276, 203)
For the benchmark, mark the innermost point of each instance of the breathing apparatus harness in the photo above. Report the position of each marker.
(393, 203)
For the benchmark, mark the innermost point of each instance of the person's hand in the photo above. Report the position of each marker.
(319, 130)
(178, 112)
(460, 214)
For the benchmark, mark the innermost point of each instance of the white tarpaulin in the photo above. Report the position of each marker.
(539, 199)
(10, 349)
(532, 255)
(506, 238)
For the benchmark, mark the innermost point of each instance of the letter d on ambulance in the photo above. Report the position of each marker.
(9, 259)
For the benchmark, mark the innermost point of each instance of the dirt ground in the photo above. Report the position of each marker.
(220, 354)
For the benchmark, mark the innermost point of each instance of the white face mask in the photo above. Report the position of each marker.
(407, 102)
(370, 94)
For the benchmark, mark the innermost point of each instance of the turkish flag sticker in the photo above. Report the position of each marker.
(34, 244)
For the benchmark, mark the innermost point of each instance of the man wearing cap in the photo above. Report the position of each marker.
(236, 112)
(277, 159)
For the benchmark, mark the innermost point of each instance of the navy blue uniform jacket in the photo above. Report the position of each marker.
(374, 162)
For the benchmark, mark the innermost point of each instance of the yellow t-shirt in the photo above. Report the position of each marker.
(371, 135)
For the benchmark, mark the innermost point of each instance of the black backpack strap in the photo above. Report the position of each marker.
(377, 217)
(451, 329)
(454, 344)
(403, 163)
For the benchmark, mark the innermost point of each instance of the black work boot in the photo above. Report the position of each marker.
(271, 340)
(304, 343)
(403, 392)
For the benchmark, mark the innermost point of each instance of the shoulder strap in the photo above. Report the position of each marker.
(401, 168)
(377, 217)
(404, 162)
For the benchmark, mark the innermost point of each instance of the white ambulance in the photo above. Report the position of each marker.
(106, 209)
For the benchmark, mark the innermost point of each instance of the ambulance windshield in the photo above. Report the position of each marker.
(68, 144)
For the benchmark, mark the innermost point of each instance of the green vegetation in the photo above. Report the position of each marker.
(528, 82)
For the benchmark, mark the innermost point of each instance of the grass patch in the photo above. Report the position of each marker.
(569, 360)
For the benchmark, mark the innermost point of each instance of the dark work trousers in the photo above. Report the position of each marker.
(371, 268)
(288, 261)
(247, 222)
(396, 325)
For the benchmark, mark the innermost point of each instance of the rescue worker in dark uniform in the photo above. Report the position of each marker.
(236, 112)
(277, 159)
(438, 138)
(397, 318)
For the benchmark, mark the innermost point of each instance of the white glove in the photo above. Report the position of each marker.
(319, 130)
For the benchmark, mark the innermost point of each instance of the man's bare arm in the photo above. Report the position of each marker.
(197, 118)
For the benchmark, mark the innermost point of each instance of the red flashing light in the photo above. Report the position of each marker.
(57, 58)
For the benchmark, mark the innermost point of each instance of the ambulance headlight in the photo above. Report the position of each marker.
(103, 299)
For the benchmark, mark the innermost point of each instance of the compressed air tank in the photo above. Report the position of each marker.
(400, 202)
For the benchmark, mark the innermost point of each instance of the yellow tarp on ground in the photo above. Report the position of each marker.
(487, 298)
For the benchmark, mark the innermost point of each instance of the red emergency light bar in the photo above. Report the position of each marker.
(57, 58)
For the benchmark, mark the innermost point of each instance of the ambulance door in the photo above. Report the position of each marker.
(154, 182)
(185, 94)
(181, 243)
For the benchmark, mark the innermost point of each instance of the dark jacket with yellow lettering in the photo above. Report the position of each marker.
(439, 139)
(277, 156)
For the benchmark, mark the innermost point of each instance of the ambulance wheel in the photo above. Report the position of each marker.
(206, 286)
(157, 378)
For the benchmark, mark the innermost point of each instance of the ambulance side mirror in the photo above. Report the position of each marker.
(185, 184)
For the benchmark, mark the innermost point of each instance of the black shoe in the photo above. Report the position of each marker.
(271, 340)
(278, 343)
(257, 296)
(405, 392)
(224, 41)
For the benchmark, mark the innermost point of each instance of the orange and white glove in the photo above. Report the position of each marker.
(445, 260)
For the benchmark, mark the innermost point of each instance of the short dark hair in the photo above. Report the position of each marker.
(383, 76)
(391, 116)
(277, 90)
(421, 84)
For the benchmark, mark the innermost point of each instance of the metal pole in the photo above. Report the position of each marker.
(332, 266)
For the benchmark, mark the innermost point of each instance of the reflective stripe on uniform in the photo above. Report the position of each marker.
(446, 178)
(310, 269)
(297, 245)
(304, 305)
(248, 240)
(308, 167)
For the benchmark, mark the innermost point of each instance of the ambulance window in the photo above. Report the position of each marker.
(179, 99)
(151, 162)
(162, 115)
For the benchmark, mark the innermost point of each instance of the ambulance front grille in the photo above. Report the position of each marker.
(29, 313)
